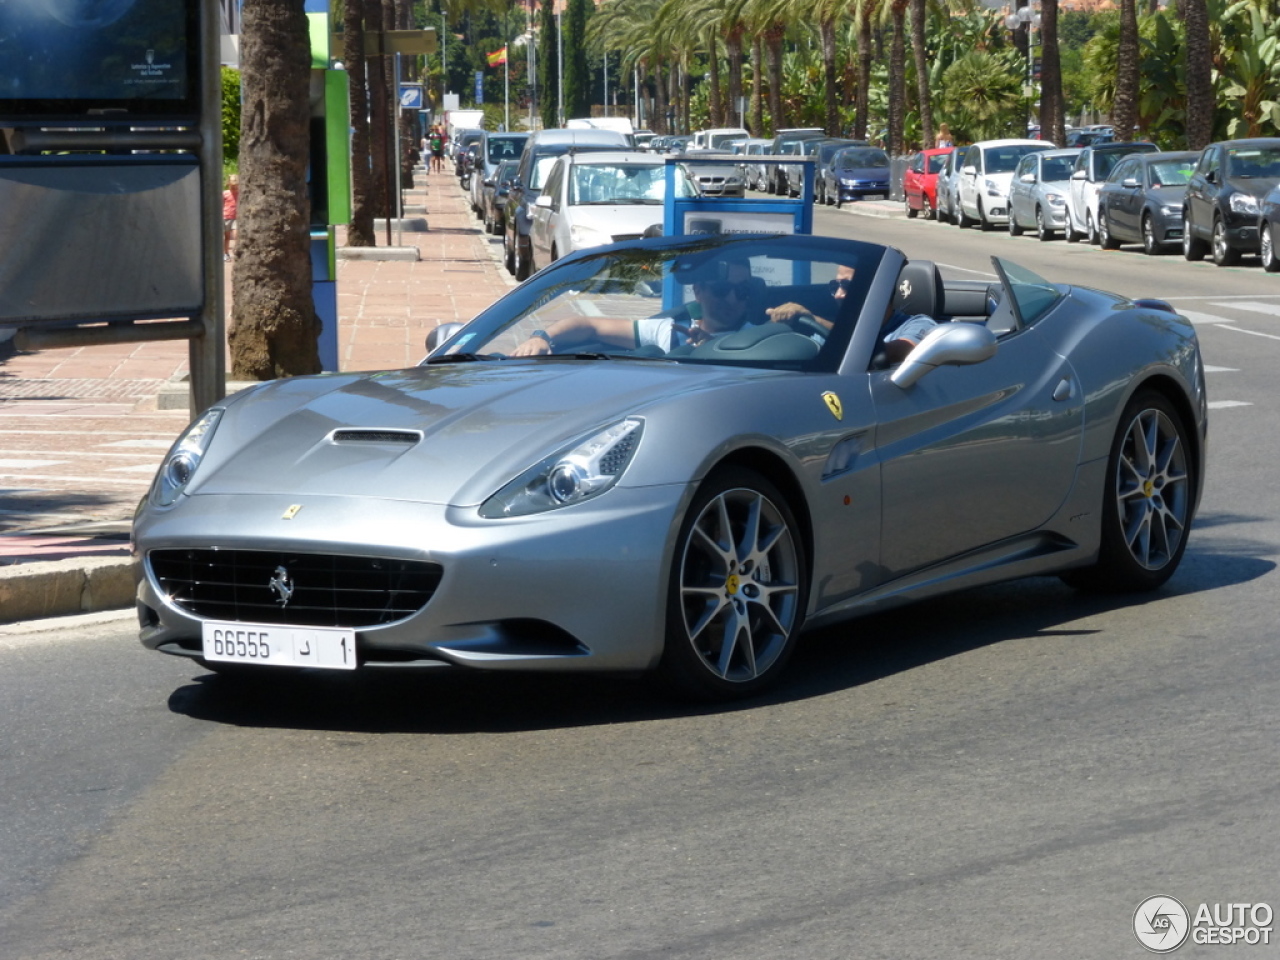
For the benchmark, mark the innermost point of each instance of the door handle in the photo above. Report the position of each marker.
(1065, 390)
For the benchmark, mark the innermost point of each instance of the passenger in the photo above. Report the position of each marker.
(720, 305)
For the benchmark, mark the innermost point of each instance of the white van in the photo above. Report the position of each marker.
(718, 139)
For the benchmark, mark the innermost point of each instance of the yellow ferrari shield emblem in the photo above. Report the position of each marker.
(834, 405)
(291, 512)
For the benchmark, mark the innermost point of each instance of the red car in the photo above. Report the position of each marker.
(920, 182)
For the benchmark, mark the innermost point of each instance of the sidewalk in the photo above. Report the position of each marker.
(82, 430)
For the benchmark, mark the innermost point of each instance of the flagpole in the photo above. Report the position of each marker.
(506, 82)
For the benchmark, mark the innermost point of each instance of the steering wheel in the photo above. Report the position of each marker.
(806, 324)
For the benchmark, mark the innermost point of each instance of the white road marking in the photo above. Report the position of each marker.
(143, 468)
(157, 444)
(24, 464)
(1212, 369)
(1203, 317)
(1223, 404)
(1252, 333)
(95, 479)
(1253, 306)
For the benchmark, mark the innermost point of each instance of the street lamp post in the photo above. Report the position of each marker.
(560, 70)
(1025, 17)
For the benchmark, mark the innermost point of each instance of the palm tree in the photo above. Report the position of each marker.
(1199, 74)
(897, 77)
(360, 230)
(1124, 109)
(1053, 119)
(920, 52)
(867, 12)
(274, 327)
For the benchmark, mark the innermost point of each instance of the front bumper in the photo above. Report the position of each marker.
(580, 588)
(865, 190)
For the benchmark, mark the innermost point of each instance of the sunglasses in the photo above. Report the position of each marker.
(835, 285)
(722, 289)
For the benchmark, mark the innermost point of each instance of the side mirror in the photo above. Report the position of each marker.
(1130, 182)
(1211, 176)
(970, 170)
(543, 201)
(1028, 178)
(1079, 175)
(440, 334)
(949, 344)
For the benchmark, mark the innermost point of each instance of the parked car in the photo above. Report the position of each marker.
(1141, 202)
(784, 145)
(494, 148)
(712, 174)
(643, 138)
(541, 151)
(598, 198)
(821, 151)
(584, 508)
(920, 181)
(1221, 206)
(1093, 166)
(494, 197)
(948, 184)
(754, 174)
(461, 141)
(1269, 230)
(1038, 192)
(717, 139)
(982, 197)
(858, 173)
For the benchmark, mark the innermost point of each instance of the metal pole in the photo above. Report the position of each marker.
(506, 84)
(560, 69)
(206, 351)
(395, 122)
(604, 72)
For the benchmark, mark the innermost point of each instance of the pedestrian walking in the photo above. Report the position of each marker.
(230, 204)
(437, 150)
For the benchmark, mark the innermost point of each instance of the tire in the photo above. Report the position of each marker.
(912, 213)
(983, 224)
(524, 260)
(1090, 229)
(1147, 501)
(1224, 255)
(1043, 230)
(724, 584)
(1105, 239)
(1267, 248)
(962, 218)
(927, 209)
(508, 258)
(1014, 229)
(1193, 248)
(1069, 231)
(1150, 245)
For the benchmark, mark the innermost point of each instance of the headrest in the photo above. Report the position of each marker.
(919, 289)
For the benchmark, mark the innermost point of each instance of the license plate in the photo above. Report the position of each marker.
(273, 645)
(874, 196)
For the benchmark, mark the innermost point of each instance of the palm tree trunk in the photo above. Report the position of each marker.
(1124, 111)
(360, 230)
(897, 78)
(1200, 98)
(1053, 120)
(773, 50)
(713, 68)
(831, 93)
(919, 51)
(274, 327)
(757, 86)
(733, 50)
(863, 99)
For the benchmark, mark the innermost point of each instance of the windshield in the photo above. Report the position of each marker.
(1172, 173)
(619, 183)
(1004, 159)
(505, 148)
(869, 158)
(1253, 162)
(1033, 295)
(1056, 168)
(687, 300)
(936, 162)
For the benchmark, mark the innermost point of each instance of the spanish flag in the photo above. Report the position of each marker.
(498, 58)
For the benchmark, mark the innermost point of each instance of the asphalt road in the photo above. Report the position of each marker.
(1004, 773)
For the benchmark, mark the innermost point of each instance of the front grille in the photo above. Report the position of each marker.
(327, 590)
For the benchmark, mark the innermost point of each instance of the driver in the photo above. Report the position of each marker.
(722, 303)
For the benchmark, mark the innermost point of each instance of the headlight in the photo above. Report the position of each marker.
(583, 236)
(1055, 199)
(1171, 210)
(1243, 203)
(573, 475)
(180, 466)
(993, 188)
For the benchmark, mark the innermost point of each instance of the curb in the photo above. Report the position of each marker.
(57, 588)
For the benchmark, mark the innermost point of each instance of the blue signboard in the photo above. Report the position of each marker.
(411, 96)
(479, 87)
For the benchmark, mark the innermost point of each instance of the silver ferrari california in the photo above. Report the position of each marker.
(669, 456)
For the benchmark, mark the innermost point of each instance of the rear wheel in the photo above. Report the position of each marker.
(1193, 248)
(1147, 501)
(524, 258)
(736, 590)
(1224, 255)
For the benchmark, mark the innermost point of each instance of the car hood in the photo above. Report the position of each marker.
(1255, 186)
(464, 429)
(617, 219)
(863, 173)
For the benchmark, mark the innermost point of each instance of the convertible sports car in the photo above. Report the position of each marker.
(594, 475)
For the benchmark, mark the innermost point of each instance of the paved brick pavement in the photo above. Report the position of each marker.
(80, 430)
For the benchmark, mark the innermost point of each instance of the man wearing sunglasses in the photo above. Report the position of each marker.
(723, 301)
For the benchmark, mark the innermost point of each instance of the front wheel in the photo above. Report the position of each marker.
(912, 212)
(1043, 230)
(1267, 248)
(1070, 232)
(735, 598)
(1147, 503)
(927, 210)
(1014, 229)
(1224, 255)
(1150, 245)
